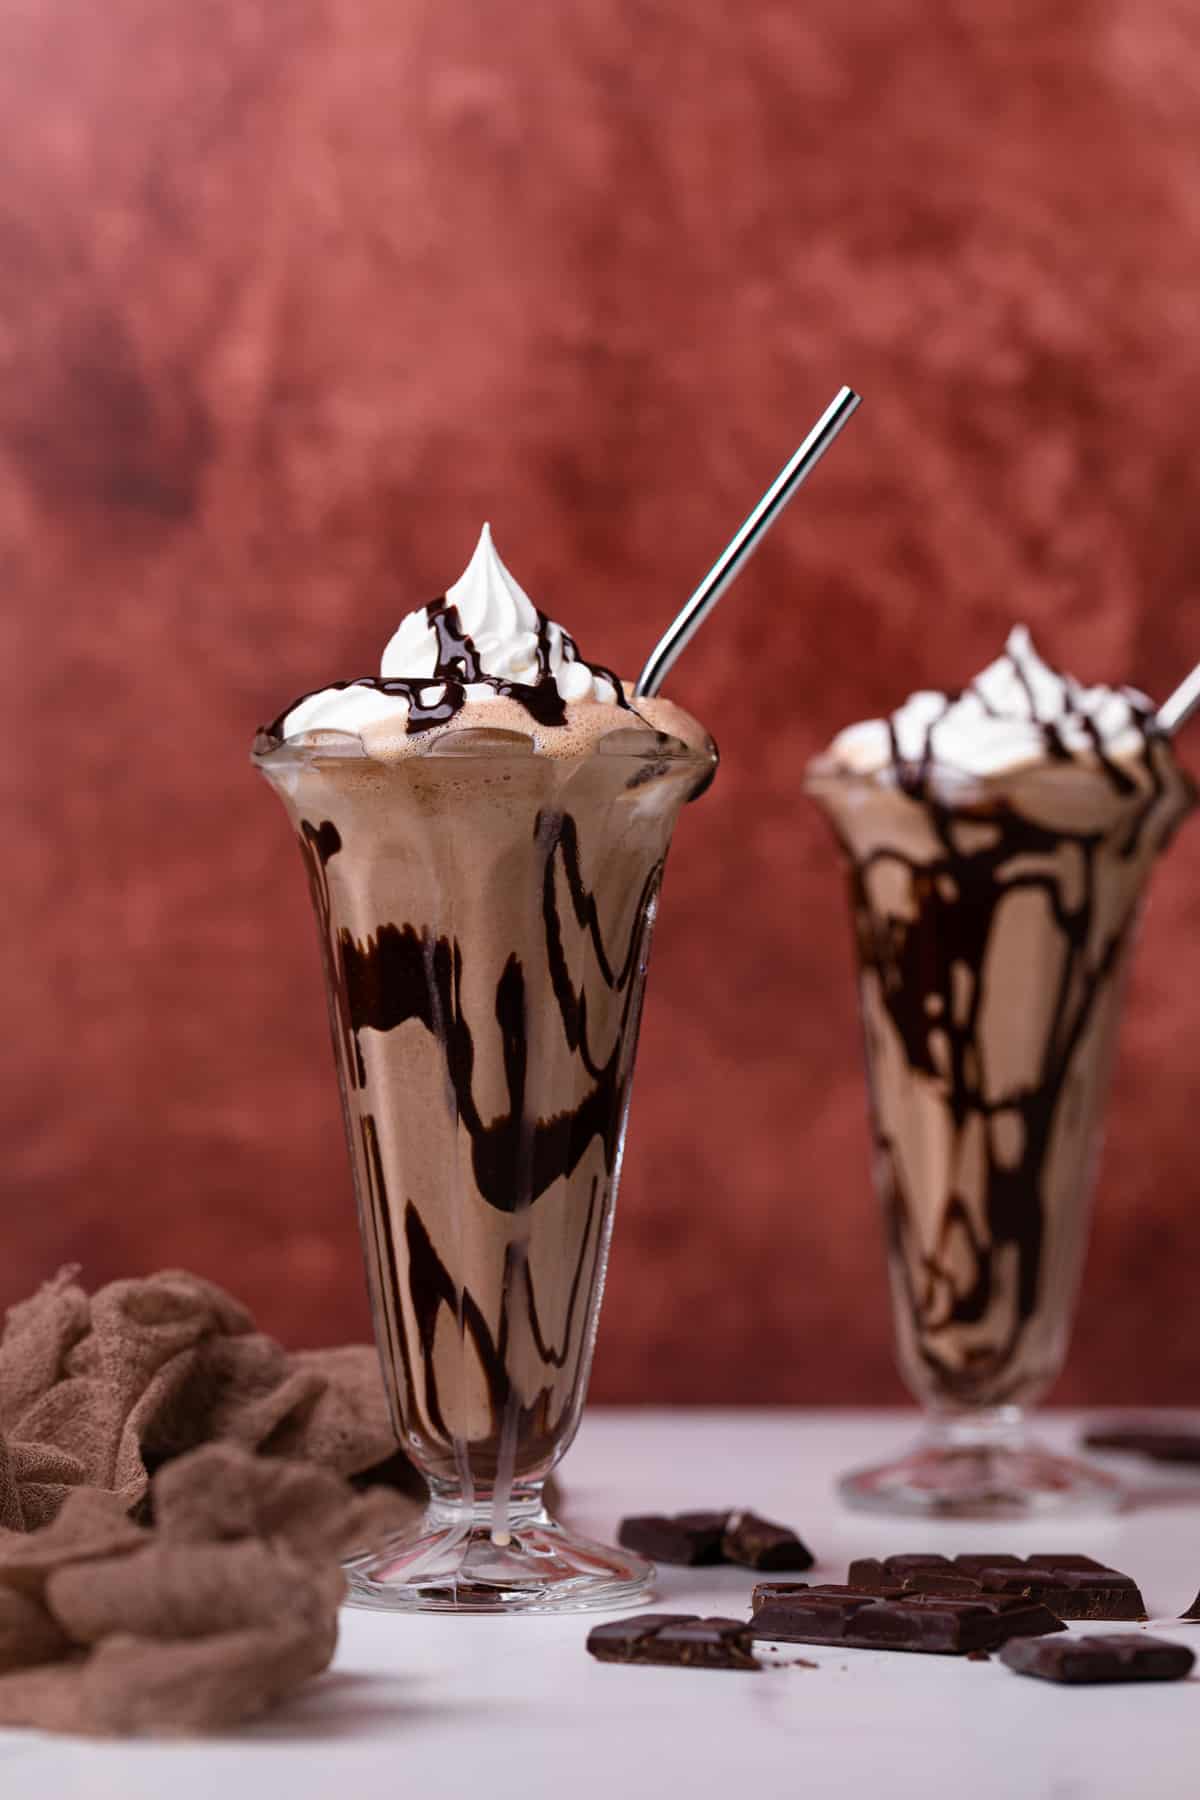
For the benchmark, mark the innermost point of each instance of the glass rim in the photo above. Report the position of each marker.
(954, 785)
(349, 747)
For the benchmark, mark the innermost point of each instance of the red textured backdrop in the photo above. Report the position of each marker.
(291, 297)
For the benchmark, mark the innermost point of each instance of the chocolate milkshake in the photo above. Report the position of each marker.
(998, 842)
(485, 826)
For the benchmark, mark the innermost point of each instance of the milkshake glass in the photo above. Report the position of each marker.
(997, 844)
(485, 854)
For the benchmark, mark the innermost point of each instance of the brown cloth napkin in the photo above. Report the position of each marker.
(99, 1393)
(173, 1507)
(226, 1605)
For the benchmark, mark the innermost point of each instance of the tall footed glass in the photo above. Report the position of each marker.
(993, 921)
(485, 915)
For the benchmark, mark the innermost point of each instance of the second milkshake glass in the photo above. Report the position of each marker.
(993, 920)
(485, 916)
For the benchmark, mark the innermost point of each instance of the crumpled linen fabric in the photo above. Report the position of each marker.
(220, 1608)
(174, 1505)
(99, 1392)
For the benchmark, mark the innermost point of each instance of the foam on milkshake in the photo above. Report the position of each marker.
(483, 657)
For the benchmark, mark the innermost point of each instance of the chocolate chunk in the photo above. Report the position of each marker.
(690, 1538)
(758, 1544)
(703, 1644)
(694, 1538)
(1121, 1656)
(910, 1575)
(1079, 1587)
(678, 1640)
(1193, 1611)
(617, 1640)
(947, 1625)
(1160, 1443)
(1074, 1587)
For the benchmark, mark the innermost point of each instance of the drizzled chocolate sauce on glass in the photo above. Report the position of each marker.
(400, 975)
(973, 1284)
(485, 927)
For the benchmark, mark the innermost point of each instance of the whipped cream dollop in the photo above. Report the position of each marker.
(1019, 711)
(483, 641)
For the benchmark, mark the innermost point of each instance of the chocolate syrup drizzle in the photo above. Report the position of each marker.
(400, 975)
(957, 897)
(458, 665)
(913, 774)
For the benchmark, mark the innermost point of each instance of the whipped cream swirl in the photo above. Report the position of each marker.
(1019, 711)
(483, 641)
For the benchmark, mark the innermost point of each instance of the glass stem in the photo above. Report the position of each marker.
(982, 1428)
(488, 1510)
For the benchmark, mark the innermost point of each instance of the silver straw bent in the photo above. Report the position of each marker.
(744, 543)
(1185, 701)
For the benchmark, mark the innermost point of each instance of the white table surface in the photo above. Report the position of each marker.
(514, 1709)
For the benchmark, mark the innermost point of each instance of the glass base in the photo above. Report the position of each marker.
(964, 1474)
(453, 1562)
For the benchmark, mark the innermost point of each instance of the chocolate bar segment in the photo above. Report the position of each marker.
(1121, 1656)
(674, 1640)
(1161, 1444)
(944, 1625)
(702, 1644)
(911, 1575)
(1079, 1587)
(691, 1538)
(1193, 1611)
(759, 1544)
(794, 1612)
(1074, 1587)
(617, 1640)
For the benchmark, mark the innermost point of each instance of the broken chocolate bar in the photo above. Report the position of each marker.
(944, 1625)
(911, 1575)
(690, 1538)
(617, 1639)
(694, 1538)
(758, 1544)
(1121, 1656)
(1074, 1587)
(1161, 1443)
(674, 1640)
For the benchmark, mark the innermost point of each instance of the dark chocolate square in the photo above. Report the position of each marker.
(703, 1644)
(1073, 1586)
(760, 1544)
(675, 1640)
(939, 1624)
(1162, 1443)
(690, 1539)
(1119, 1656)
(911, 1574)
(617, 1640)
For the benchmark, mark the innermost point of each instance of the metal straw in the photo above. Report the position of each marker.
(744, 543)
(1185, 701)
